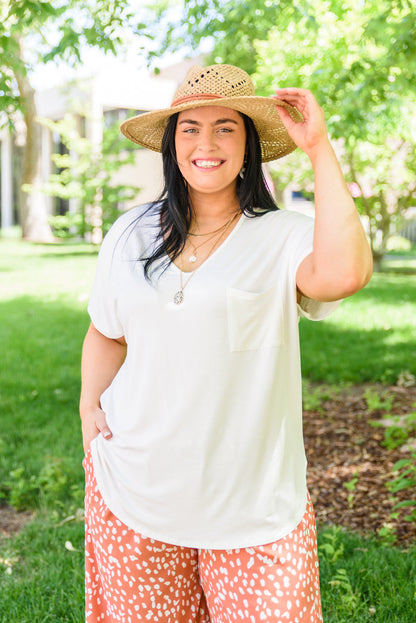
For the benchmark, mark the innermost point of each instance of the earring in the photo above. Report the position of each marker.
(243, 168)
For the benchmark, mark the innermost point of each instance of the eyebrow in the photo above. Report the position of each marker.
(218, 122)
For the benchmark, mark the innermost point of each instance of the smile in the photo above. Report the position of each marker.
(207, 164)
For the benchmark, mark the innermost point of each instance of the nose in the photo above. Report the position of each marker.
(207, 140)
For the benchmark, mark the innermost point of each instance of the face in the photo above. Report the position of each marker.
(210, 146)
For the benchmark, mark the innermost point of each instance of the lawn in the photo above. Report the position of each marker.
(371, 337)
(43, 297)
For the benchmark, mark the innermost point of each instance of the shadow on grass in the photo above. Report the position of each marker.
(398, 270)
(62, 249)
(331, 354)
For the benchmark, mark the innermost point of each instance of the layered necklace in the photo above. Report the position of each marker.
(215, 235)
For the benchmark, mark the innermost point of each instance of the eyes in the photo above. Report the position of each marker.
(194, 130)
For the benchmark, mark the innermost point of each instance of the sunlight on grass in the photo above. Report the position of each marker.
(44, 291)
(52, 272)
(371, 337)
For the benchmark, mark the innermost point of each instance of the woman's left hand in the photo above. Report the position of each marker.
(309, 133)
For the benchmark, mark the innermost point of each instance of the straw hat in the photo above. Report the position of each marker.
(218, 85)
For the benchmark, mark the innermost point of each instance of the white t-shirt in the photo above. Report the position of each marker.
(206, 411)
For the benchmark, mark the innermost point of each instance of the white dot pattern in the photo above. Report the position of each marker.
(131, 578)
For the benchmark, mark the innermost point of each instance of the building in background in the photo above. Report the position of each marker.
(110, 96)
(114, 92)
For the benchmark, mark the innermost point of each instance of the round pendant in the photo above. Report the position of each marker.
(192, 258)
(178, 298)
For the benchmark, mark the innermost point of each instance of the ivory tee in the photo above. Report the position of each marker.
(206, 411)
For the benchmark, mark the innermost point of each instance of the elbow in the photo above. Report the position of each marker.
(357, 278)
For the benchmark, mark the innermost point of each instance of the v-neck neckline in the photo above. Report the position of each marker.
(214, 253)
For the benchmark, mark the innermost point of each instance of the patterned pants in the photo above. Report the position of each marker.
(132, 578)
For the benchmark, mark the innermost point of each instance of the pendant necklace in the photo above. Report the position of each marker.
(179, 296)
(194, 255)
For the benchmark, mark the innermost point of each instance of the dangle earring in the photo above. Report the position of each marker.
(243, 168)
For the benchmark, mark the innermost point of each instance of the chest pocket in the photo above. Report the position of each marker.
(255, 320)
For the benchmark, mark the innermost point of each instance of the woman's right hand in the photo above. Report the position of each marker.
(102, 358)
(94, 422)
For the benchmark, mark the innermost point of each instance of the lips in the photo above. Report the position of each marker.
(207, 164)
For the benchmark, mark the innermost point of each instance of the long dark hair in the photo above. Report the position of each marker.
(174, 202)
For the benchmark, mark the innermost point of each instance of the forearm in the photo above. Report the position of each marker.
(341, 262)
(102, 358)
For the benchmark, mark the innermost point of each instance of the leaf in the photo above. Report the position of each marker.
(405, 504)
(400, 464)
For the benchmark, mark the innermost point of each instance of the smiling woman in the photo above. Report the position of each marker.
(191, 400)
(210, 149)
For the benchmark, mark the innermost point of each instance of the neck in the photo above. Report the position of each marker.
(213, 210)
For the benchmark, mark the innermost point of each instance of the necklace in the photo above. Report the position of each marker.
(214, 231)
(193, 257)
(179, 296)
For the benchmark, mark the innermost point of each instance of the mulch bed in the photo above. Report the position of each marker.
(341, 444)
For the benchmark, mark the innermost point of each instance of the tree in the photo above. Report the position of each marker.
(359, 58)
(27, 28)
(87, 176)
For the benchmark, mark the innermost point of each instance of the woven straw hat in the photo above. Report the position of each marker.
(218, 85)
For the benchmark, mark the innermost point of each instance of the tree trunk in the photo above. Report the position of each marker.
(377, 260)
(32, 209)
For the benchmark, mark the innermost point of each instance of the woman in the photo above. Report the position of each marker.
(196, 501)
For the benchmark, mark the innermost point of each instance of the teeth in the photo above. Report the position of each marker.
(207, 164)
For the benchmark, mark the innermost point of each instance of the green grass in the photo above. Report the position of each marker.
(43, 296)
(42, 322)
(46, 580)
(371, 337)
(363, 580)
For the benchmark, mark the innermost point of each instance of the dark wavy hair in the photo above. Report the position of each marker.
(174, 201)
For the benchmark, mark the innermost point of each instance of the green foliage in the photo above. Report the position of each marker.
(314, 396)
(86, 174)
(332, 550)
(348, 599)
(378, 400)
(400, 431)
(363, 580)
(58, 31)
(359, 59)
(52, 486)
(387, 533)
(350, 486)
(230, 27)
(349, 63)
(405, 480)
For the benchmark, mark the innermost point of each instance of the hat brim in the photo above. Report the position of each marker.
(148, 128)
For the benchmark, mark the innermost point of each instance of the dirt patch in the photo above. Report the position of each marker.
(342, 447)
(349, 467)
(11, 521)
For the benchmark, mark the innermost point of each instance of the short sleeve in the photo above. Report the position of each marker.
(302, 247)
(102, 306)
(316, 310)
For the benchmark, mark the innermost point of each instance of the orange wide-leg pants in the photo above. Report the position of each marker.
(131, 578)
